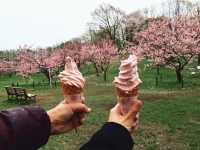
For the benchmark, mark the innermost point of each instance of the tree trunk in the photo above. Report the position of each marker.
(157, 74)
(96, 69)
(105, 75)
(49, 77)
(182, 82)
(158, 70)
(47, 73)
(198, 60)
(156, 81)
(179, 77)
(79, 65)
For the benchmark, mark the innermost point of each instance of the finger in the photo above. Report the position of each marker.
(77, 121)
(134, 126)
(137, 124)
(137, 105)
(81, 116)
(131, 115)
(134, 109)
(80, 108)
(142, 103)
(83, 99)
(136, 121)
(137, 116)
(82, 120)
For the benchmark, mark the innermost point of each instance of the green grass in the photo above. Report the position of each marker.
(170, 118)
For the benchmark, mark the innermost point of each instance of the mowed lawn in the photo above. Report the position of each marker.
(169, 120)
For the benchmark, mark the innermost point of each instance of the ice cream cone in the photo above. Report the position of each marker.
(71, 93)
(127, 83)
(70, 90)
(72, 82)
(126, 98)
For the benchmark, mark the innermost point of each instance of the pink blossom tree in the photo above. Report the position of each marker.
(26, 64)
(44, 61)
(73, 49)
(48, 61)
(101, 55)
(170, 41)
(88, 54)
(7, 66)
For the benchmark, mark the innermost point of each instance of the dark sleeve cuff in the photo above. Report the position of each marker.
(118, 136)
(30, 127)
(111, 136)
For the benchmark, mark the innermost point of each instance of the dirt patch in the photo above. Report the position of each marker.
(157, 96)
(167, 95)
(2, 94)
(195, 121)
(44, 97)
(47, 95)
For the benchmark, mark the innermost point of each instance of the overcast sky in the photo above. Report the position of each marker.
(42, 23)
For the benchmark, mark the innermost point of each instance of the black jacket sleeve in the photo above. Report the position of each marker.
(26, 128)
(111, 136)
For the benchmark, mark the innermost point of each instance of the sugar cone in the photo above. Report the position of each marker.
(71, 93)
(125, 98)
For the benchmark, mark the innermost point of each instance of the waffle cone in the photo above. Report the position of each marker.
(70, 90)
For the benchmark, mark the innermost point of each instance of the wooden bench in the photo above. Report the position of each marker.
(19, 94)
(10, 92)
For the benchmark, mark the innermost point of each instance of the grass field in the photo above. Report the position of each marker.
(170, 118)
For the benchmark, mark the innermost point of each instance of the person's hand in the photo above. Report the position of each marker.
(130, 120)
(65, 117)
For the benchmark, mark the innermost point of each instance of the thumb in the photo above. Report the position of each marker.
(137, 105)
(80, 108)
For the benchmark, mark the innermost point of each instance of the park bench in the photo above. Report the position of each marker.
(10, 92)
(19, 94)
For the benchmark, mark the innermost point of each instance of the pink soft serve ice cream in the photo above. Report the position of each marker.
(128, 77)
(71, 75)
